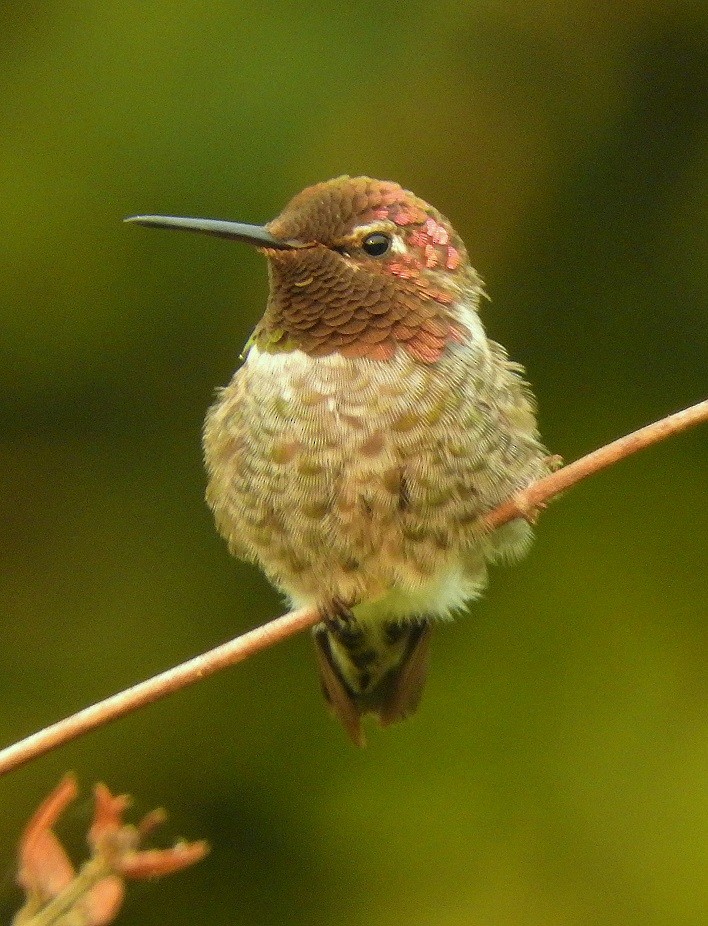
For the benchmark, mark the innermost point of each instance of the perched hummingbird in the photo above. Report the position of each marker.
(371, 426)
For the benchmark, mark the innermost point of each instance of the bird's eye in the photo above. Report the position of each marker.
(377, 244)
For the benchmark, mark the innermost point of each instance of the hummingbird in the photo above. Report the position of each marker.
(370, 428)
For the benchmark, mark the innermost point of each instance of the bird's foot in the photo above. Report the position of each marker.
(339, 619)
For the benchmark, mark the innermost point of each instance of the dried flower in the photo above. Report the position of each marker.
(56, 893)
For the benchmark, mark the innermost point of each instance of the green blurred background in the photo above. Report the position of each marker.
(557, 770)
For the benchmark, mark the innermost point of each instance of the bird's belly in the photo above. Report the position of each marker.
(351, 479)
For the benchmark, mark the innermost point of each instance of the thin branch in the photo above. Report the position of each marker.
(536, 496)
(524, 505)
(157, 687)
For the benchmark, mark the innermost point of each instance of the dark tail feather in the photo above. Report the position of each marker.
(406, 690)
(372, 670)
(338, 697)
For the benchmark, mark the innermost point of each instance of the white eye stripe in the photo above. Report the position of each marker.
(398, 245)
(361, 232)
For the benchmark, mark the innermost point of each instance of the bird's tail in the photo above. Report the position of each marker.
(376, 668)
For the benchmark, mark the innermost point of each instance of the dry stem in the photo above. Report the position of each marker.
(524, 504)
(93, 871)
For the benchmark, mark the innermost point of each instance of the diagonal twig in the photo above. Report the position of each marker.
(523, 504)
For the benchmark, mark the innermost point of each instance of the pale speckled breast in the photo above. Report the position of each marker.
(349, 477)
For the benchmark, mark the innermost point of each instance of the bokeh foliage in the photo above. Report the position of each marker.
(556, 773)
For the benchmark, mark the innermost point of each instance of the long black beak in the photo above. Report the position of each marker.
(256, 235)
